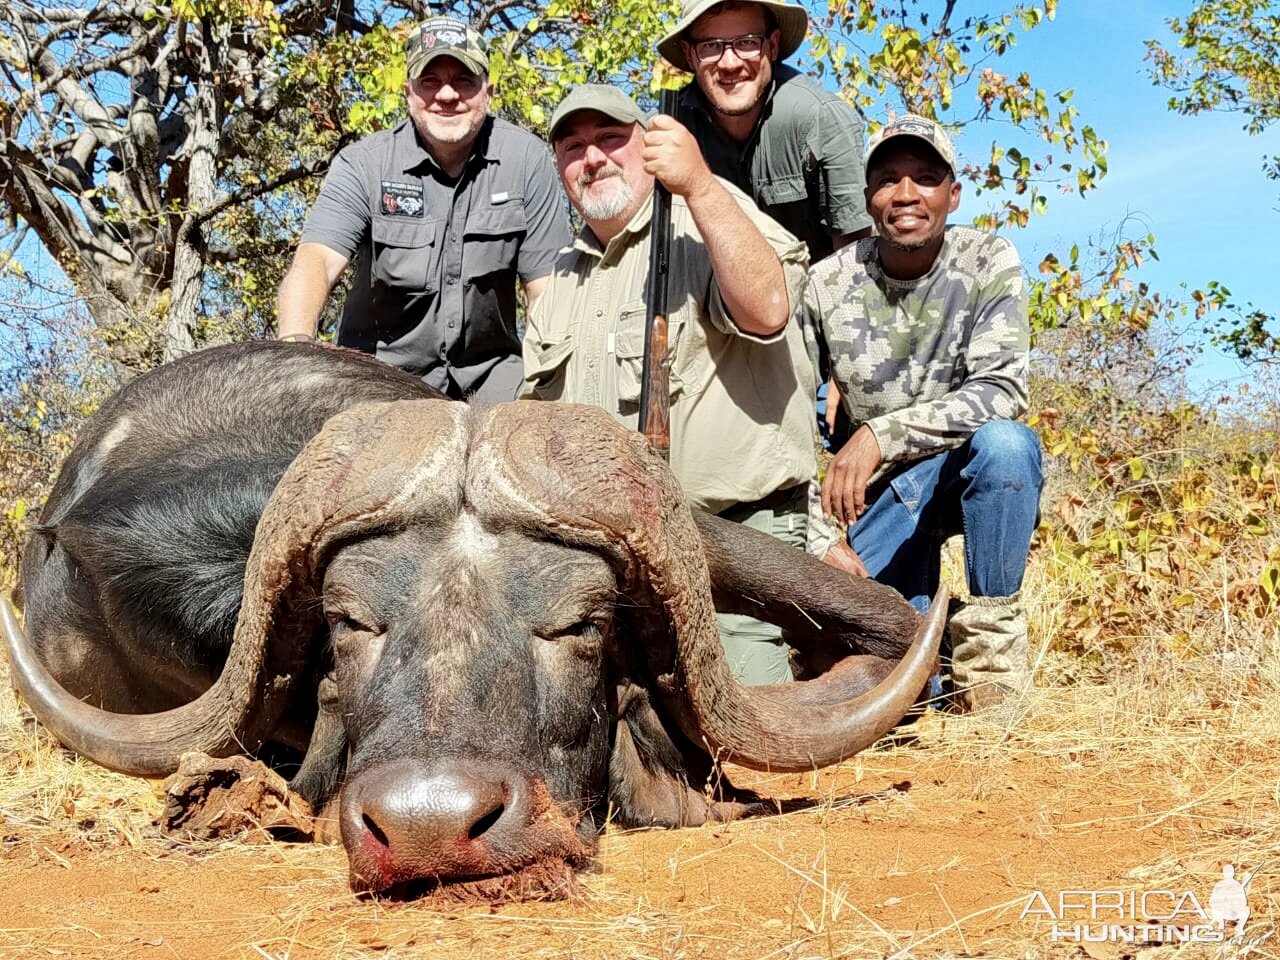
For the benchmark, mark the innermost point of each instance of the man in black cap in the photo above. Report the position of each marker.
(443, 214)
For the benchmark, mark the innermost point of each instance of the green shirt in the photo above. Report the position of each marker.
(802, 164)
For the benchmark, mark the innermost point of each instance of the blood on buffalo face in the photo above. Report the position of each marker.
(471, 676)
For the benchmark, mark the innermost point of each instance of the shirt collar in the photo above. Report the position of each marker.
(693, 97)
(637, 227)
(416, 154)
(878, 270)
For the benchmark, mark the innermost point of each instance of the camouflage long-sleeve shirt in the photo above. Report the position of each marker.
(924, 362)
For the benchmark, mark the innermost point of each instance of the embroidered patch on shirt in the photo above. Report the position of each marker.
(401, 199)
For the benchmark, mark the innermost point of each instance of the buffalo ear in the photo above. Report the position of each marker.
(319, 776)
(371, 467)
(658, 779)
(577, 474)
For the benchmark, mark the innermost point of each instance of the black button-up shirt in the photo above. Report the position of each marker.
(437, 258)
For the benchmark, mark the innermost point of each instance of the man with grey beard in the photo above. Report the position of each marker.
(741, 383)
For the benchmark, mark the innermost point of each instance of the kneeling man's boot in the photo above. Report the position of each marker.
(989, 655)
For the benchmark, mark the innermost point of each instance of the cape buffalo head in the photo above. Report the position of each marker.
(520, 612)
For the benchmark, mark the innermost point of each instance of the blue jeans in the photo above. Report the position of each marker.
(831, 441)
(988, 490)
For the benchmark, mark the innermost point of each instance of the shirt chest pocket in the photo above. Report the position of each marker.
(403, 252)
(545, 370)
(493, 235)
(779, 190)
(628, 350)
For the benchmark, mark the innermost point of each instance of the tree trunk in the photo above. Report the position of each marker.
(202, 152)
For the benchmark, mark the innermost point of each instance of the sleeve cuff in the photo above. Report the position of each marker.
(882, 429)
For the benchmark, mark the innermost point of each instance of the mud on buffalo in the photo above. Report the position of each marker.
(479, 627)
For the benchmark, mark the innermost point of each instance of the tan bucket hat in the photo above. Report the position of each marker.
(793, 23)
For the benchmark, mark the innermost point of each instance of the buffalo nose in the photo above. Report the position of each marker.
(404, 820)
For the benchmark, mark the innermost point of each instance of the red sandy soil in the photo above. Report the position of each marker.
(905, 851)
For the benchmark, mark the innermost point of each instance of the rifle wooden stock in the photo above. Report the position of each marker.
(655, 386)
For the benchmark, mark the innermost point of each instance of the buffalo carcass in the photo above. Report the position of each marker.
(485, 625)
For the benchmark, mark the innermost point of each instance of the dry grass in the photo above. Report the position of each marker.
(1174, 766)
(1143, 763)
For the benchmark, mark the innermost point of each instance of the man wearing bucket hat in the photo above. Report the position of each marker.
(795, 148)
(741, 382)
(442, 214)
(927, 332)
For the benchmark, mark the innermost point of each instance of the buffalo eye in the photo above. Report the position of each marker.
(579, 640)
(585, 629)
(342, 622)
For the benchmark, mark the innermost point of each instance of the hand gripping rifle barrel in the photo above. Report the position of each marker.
(655, 388)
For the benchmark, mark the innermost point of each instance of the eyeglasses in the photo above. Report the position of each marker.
(747, 47)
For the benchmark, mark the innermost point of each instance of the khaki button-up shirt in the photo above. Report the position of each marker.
(742, 423)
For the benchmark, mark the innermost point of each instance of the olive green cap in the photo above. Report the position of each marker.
(610, 101)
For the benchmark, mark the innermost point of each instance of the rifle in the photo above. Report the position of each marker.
(655, 389)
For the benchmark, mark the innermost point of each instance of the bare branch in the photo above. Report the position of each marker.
(253, 191)
(100, 64)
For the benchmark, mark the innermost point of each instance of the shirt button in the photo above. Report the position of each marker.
(599, 313)
(450, 324)
(451, 281)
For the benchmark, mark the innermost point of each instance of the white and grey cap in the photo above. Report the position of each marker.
(920, 128)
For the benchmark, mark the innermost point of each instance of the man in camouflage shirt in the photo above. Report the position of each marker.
(926, 336)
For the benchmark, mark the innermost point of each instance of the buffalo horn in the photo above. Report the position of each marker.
(367, 469)
(575, 473)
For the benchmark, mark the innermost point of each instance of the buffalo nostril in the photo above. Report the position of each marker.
(375, 831)
(482, 825)
(405, 819)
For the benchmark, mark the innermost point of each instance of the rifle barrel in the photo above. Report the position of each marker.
(655, 389)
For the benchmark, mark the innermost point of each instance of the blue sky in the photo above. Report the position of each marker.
(1195, 182)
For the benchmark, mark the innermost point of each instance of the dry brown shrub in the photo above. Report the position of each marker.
(53, 375)
(1159, 540)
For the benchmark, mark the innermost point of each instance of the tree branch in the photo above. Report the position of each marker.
(108, 62)
(253, 191)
